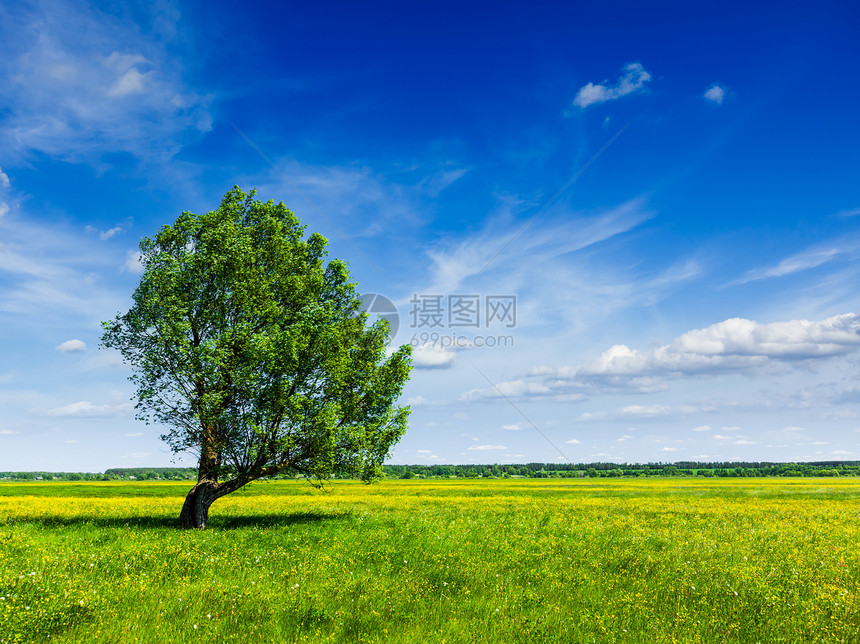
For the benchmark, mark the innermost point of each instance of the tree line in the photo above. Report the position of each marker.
(612, 470)
(114, 474)
(528, 470)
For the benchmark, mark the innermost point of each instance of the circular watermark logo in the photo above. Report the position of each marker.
(380, 306)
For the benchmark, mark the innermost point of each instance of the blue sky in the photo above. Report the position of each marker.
(665, 194)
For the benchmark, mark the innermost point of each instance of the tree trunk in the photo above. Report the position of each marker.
(195, 510)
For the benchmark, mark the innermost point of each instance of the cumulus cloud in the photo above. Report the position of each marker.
(4, 208)
(736, 345)
(701, 428)
(72, 346)
(8, 432)
(429, 356)
(715, 94)
(4, 179)
(481, 448)
(633, 78)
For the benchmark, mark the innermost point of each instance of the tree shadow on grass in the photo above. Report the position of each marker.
(140, 522)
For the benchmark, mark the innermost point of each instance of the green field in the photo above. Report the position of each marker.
(671, 560)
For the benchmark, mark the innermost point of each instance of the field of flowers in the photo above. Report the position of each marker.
(623, 560)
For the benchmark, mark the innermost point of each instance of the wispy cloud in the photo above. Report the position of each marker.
(453, 264)
(633, 78)
(50, 274)
(802, 261)
(84, 409)
(136, 455)
(81, 82)
(850, 212)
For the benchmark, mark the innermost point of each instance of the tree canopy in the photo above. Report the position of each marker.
(253, 353)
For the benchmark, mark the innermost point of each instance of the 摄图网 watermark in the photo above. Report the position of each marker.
(445, 321)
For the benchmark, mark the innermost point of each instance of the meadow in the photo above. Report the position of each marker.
(540, 560)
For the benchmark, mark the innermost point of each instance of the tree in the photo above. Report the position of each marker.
(254, 353)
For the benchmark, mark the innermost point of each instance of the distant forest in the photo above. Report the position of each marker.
(529, 470)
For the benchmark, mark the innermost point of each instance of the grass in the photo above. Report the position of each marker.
(731, 560)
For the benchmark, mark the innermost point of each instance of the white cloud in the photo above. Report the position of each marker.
(736, 344)
(701, 428)
(84, 409)
(498, 248)
(802, 261)
(136, 455)
(50, 275)
(647, 411)
(72, 346)
(509, 389)
(482, 448)
(83, 82)
(4, 208)
(715, 94)
(417, 401)
(4, 179)
(133, 262)
(512, 428)
(633, 79)
(429, 356)
(851, 212)
(107, 234)
(129, 80)
(8, 432)
(573, 441)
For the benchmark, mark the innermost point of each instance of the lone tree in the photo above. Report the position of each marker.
(255, 355)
